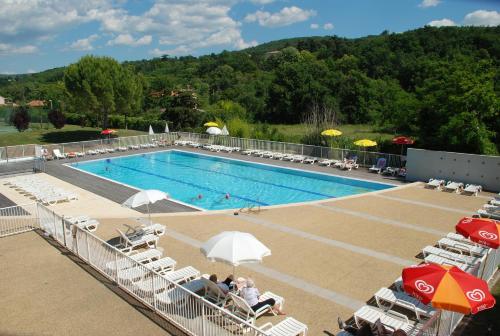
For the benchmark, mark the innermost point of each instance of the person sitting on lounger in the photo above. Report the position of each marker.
(251, 295)
(223, 285)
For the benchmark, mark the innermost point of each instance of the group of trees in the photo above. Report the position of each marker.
(440, 85)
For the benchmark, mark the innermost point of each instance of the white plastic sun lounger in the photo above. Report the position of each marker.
(435, 184)
(327, 163)
(143, 257)
(133, 147)
(495, 202)
(488, 214)
(491, 208)
(472, 189)
(434, 259)
(401, 299)
(310, 160)
(278, 156)
(287, 327)
(57, 154)
(166, 264)
(91, 152)
(450, 255)
(454, 186)
(458, 237)
(390, 319)
(214, 293)
(129, 243)
(472, 250)
(242, 309)
(182, 275)
(122, 149)
(298, 158)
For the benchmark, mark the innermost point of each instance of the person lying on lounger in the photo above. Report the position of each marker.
(251, 295)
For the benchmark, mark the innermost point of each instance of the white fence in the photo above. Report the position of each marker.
(15, 153)
(188, 311)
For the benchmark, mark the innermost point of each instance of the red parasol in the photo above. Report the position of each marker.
(108, 131)
(483, 231)
(402, 140)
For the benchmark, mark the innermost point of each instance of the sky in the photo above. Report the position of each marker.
(36, 35)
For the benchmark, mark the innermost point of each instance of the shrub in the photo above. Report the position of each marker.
(21, 118)
(56, 117)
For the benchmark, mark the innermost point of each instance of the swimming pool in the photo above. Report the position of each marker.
(212, 183)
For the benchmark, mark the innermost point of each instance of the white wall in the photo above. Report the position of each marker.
(2, 100)
(467, 168)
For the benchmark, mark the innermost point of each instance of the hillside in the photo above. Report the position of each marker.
(430, 83)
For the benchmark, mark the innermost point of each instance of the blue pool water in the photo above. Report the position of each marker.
(212, 183)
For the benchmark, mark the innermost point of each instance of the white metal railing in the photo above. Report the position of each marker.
(188, 311)
(17, 219)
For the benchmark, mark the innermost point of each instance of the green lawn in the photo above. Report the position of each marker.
(48, 134)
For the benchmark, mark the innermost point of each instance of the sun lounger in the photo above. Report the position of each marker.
(248, 151)
(379, 166)
(310, 160)
(403, 300)
(327, 162)
(156, 229)
(454, 186)
(84, 222)
(278, 156)
(122, 149)
(182, 275)
(459, 238)
(390, 171)
(488, 214)
(349, 165)
(133, 147)
(435, 184)
(129, 243)
(435, 259)
(91, 152)
(58, 155)
(242, 309)
(142, 257)
(287, 327)
(390, 319)
(214, 293)
(472, 189)
(472, 250)
(470, 260)
(495, 202)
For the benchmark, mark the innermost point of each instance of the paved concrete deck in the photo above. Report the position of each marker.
(44, 292)
(328, 258)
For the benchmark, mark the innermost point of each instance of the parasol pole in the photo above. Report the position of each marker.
(149, 214)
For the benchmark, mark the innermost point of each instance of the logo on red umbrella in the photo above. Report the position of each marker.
(424, 287)
(476, 295)
(488, 235)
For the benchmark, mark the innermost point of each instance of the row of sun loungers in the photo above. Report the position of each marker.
(137, 269)
(452, 186)
(83, 222)
(491, 209)
(453, 250)
(40, 190)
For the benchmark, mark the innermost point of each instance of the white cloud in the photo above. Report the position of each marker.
(429, 3)
(127, 39)
(84, 44)
(180, 50)
(328, 26)
(314, 26)
(30, 71)
(285, 17)
(30, 20)
(482, 18)
(442, 23)
(9, 49)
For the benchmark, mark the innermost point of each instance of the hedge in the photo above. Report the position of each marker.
(118, 121)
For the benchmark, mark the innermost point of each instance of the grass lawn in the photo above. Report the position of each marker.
(296, 132)
(48, 134)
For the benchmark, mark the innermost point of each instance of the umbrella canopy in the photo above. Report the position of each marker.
(402, 140)
(365, 143)
(447, 287)
(151, 132)
(145, 197)
(166, 128)
(480, 230)
(108, 131)
(224, 131)
(214, 131)
(235, 248)
(211, 124)
(331, 132)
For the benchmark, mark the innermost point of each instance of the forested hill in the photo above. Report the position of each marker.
(441, 85)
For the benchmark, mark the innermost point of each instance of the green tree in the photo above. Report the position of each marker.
(102, 86)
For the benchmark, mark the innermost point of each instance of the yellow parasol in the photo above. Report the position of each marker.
(365, 143)
(331, 132)
(211, 124)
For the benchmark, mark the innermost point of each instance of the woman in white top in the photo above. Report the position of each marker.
(251, 295)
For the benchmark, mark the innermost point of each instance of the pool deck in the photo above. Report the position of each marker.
(328, 257)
